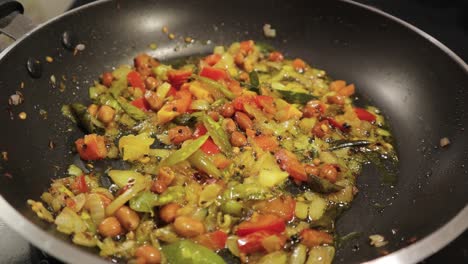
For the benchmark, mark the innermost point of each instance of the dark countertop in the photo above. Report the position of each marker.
(446, 20)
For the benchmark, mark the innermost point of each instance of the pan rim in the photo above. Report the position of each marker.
(73, 254)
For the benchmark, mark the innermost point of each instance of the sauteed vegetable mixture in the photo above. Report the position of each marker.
(242, 155)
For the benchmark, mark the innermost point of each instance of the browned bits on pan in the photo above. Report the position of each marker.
(22, 115)
(188, 227)
(148, 255)
(49, 59)
(128, 218)
(169, 212)
(179, 134)
(51, 144)
(16, 98)
(43, 113)
(5, 155)
(243, 120)
(110, 227)
(163, 180)
(238, 139)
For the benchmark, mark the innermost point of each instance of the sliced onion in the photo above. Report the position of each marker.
(95, 206)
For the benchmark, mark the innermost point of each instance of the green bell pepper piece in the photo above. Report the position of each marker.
(185, 152)
(187, 252)
(218, 135)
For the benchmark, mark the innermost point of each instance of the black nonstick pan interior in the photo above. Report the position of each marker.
(419, 86)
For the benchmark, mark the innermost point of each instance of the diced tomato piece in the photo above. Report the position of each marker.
(265, 102)
(209, 147)
(240, 101)
(267, 143)
(276, 56)
(178, 77)
(247, 46)
(82, 187)
(312, 238)
(215, 240)
(141, 103)
(365, 115)
(213, 73)
(282, 206)
(212, 59)
(268, 222)
(256, 242)
(91, 147)
(134, 79)
(289, 163)
(299, 65)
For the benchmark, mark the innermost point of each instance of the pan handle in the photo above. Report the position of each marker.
(12, 21)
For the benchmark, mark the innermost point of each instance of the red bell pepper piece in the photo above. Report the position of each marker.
(363, 114)
(209, 147)
(178, 77)
(141, 103)
(212, 59)
(268, 222)
(253, 242)
(91, 147)
(200, 130)
(289, 163)
(134, 79)
(215, 240)
(172, 91)
(213, 73)
(81, 184)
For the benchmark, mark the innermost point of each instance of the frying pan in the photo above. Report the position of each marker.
(419, 84)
